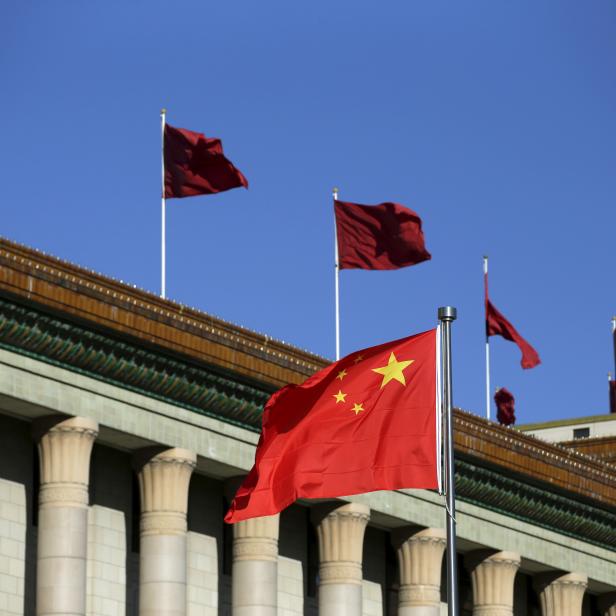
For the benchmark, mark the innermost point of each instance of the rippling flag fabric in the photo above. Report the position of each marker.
(367, 422)
(196, 165)
(378, 237)
(498, 325)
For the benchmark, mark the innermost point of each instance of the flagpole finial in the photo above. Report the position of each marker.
(335, 192)
(447, 313)
(163, 111)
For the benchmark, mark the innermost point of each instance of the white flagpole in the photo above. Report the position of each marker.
(163, 248)
(336, 275)
(485, 280)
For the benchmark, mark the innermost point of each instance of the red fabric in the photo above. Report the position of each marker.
(498, 325)
(196, 165)
(314, 445)
(505, 405)
(378, 237)
(612, 396)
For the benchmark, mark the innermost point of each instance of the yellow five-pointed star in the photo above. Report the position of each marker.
(358, 408)
(340, 396)
(358, 359)
(393, 370)
(342, 374)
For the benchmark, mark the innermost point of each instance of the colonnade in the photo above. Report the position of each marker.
(65, 447)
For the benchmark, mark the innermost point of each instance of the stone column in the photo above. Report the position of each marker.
(254, 574)
(340, 534)
(561, 594)
(607, 604)
(254, 570)
(420, 557)
(64, 446)
(492, 576)
(164, 476)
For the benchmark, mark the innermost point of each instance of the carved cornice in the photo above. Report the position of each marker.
(71, 346)
(83, 294)
(600, 447)
(548, 463)
(516, 497)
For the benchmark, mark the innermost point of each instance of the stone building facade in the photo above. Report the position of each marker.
(126, 421)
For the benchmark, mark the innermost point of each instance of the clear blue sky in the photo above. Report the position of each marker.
(494, 120)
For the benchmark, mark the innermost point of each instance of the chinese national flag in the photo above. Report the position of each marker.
(196, 165)
(364, 423)
(378, 237)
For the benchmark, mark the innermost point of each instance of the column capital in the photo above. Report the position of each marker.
(420, 556)
(64, 446)
(164, 477)
(256, 538)
(493, 576)
(340, 532)
(561, 594)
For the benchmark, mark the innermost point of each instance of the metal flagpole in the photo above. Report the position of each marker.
(485, 281)
(337, 283)
(163, 248)
(446, 315)
(614, 338)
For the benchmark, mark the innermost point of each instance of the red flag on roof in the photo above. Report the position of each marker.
(498, 325)
(378, 237)
(505, 405)
(367, 422)
(196, 165)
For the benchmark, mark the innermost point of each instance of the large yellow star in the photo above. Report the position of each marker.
(358, 408)
(340, 396)
(393, 370)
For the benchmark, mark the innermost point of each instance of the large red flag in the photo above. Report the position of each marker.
(378, 237)
(196, 165)
(366, 422)
(498, 325)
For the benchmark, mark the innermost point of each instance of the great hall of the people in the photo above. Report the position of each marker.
(126, 421)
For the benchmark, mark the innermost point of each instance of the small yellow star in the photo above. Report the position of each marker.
(393, 371)
(340, 396)
(358, 408)
(342, 374)
(358, 359)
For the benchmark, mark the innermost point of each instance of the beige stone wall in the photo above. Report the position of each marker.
(106, 566)
(202, 580)
(290, 587)
(372, 597)
(12, 546)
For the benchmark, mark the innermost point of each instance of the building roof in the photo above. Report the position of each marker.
(64, 288)
(63, 314)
